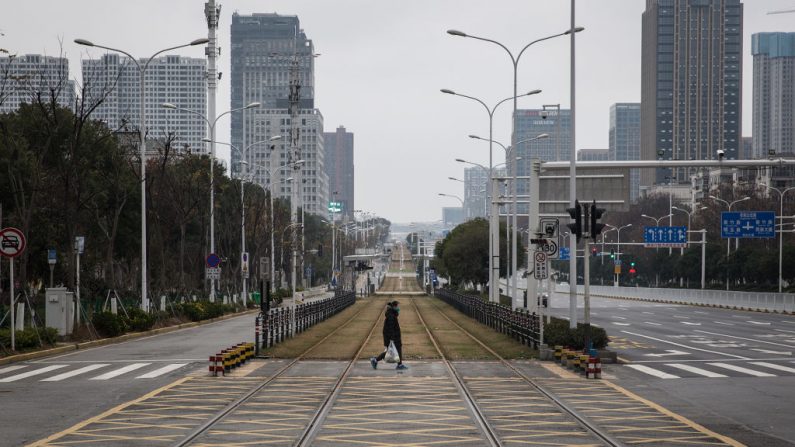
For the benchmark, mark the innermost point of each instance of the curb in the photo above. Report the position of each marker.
(683, 303)
(114, 340)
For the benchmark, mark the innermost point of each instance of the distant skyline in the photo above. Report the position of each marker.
(383, 64)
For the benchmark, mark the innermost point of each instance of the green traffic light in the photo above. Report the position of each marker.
(632, 264)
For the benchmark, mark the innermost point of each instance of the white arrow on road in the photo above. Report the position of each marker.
(765, 351)
(669, 352)
(690, 323)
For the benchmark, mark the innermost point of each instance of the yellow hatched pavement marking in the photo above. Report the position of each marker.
(631, 418)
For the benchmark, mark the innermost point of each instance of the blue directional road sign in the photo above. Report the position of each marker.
(665, 237)
(748, 224)
(564, 254)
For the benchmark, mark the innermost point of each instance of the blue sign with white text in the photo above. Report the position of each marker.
(564, 254)
(665, 236)
(748, 224)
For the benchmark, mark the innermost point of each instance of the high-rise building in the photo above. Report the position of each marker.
(22, 78)
(273, 64)
(169, 79)
(593, 155)
(476, 191)
(747, 151)
(625, 140)
(774, 93)
(340, 168)
(452, 216)
(691, 68)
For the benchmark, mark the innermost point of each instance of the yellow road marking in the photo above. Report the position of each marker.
(113, 410)
(558, 371)
(678, 417)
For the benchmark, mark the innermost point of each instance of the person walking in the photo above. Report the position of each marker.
(391, 333)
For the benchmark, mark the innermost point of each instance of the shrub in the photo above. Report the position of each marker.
(203, 310)
(108, 324)
(138, 320)
(558, 333)
(28, 338)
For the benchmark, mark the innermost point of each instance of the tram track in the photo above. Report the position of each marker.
(490, 432)
(314, 422)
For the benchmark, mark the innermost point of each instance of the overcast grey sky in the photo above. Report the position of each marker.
(383, 63)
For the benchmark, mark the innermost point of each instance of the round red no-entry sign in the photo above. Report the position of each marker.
(12, 242)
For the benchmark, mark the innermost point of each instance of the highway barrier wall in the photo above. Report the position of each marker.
(758, 301)
(519, 324)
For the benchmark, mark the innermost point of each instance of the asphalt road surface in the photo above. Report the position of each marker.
(733, 371)
(45, 396)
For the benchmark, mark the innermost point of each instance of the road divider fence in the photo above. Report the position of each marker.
(275, 327)
(518, 324)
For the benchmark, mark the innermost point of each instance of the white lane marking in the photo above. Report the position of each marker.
(758, 322)
(690, 323)
(648, 313)
(699, 312)
(620, 324)
(774, 366)
(620, 318)
(749, 339)
(120, 371)
(11, 368)
(668, 352)
(686, 346)
(653, 372)
(765, 351)
(35, 372)
(726, 324)
(750, 372)
(788, 321)
(69, 374)
(682, 316)
(653, 324)
(161, 371)
(694, 370)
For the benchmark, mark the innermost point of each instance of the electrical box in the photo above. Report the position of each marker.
(59, 309)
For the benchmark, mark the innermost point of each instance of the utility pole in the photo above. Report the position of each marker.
(211, 12)
(294, 98)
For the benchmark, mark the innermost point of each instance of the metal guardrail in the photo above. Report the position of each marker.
(518, 324)
(761, 301)
(276, 327)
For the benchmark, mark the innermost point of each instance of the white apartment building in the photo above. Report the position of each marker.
(169, 79)
(23, 77)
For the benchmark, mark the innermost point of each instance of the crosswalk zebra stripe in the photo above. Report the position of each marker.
(774, 366)
(76, 372)
(120, 371)
(11, 368)
(750, 372)
(35, 372)
(694, 370)
(161, 371)
(653, 372)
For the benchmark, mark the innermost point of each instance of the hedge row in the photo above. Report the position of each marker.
(136, 320)
(557, 332)
(28, 338)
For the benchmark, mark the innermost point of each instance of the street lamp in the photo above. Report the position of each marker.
(515, 61)
(142, 134)
(656, 219)
(493, 292)
(689, 215)
(781, 231)
(513, 247)
(211, 126)
(728, 240)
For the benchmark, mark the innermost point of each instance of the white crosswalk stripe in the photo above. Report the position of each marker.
(653, 372)
(694, 370)
(750, 372)
(35, 372)
(120, 371)
(76, 372)
(161, 371)
(774, 366)
(11, 368)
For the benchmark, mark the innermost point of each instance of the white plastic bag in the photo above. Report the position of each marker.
(392, 353)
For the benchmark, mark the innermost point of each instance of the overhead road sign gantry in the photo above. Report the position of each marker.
(654, 237)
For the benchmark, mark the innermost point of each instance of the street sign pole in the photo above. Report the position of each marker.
(11, 288)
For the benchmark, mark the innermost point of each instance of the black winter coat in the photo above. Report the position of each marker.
(391, 326)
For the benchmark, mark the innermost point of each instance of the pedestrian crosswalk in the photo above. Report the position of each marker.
(66, 371)
(714, 370)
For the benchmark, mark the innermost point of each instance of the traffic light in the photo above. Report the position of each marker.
(632, 270)
(594, 252)
(596, 214)
(576, 215)
(612, 253)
